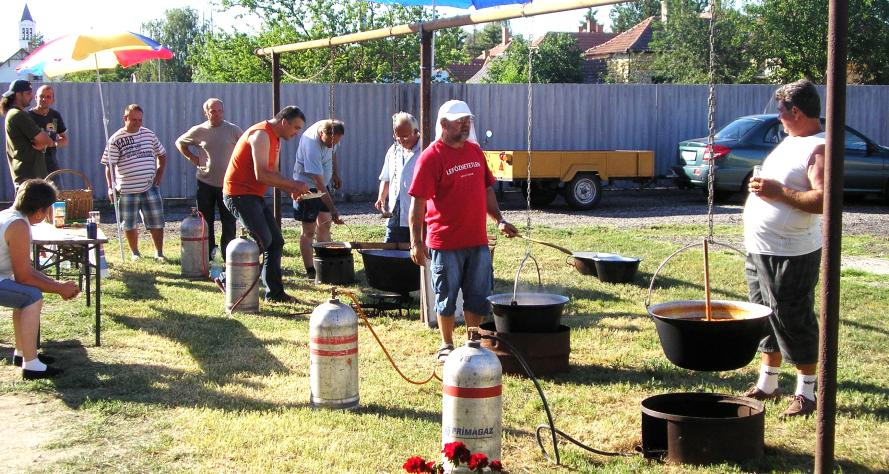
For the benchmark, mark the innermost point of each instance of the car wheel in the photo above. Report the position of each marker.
(584, 191)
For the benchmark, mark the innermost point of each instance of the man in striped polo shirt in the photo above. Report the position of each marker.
(134, 165)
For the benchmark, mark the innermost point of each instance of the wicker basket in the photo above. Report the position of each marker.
(79, 202)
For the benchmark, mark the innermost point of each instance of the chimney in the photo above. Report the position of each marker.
(504, 35)
(581, 29)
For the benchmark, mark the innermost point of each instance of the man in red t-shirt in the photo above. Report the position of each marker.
(451, 192)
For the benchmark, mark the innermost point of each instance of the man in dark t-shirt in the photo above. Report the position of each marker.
(25, 141)
(50, 120)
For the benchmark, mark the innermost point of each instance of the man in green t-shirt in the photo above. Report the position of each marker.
(25, 140)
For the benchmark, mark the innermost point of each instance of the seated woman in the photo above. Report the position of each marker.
(21, 285)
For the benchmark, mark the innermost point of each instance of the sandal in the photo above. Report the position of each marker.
(443, 352)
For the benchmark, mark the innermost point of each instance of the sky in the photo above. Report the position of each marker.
(55, 18)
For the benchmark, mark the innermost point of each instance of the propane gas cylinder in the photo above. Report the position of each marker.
(193, 236)
(333, 347)
(471, 405)
(242, 275)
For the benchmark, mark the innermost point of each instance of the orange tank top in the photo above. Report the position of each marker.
(240, 178)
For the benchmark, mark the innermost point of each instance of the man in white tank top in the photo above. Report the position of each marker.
(782, 235)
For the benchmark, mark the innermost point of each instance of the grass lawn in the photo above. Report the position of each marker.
(179, 386)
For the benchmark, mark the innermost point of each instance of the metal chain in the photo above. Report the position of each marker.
(331, 101)
(530, 111)
(711, 122)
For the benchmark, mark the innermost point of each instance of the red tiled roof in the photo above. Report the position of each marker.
(462, 72)
(635, 39)
(585, 39)
(493, 52)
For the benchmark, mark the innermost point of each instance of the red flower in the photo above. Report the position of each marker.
(477, 461)
(456, 452)
(496, 465)
(418, 465)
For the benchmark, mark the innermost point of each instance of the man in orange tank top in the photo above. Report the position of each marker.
(251, 170)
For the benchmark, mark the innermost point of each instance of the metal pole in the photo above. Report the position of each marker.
(837, 34)
(276, 106)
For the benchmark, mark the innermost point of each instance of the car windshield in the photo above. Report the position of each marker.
(736, 129)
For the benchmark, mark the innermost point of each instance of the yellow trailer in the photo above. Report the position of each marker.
(576, 175)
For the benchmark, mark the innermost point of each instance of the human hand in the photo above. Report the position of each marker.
(298, 188)
(111, 194)
(379, 204)
(765, 188)
(69, 290)
(157, 179)
(419, 253)
(336, 219)
(337, 181)
(507, 229)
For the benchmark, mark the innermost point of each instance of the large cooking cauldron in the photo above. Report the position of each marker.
(727, 342)
(529, 312)
(616, 268)
(391, 270)
(332, 249)
(702, 428)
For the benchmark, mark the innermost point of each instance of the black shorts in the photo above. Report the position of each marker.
(308, 210)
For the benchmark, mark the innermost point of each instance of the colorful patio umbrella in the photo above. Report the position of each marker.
(477, 4)
(85, 52)
(94, 51)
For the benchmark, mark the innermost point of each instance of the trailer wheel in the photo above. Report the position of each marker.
(540, 197)
(584, 191)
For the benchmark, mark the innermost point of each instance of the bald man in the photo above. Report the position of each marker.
(50, 120)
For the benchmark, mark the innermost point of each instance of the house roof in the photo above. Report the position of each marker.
(26, 14)
(493, 52)
(462, 72)
(635, 39)
(585, 39)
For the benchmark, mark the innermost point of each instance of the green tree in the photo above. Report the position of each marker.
(478, 41)
(182, 31)
(291, 21)
(682, 46)
(627, 15)
(791, 36)
(589, 15)
(558, 59)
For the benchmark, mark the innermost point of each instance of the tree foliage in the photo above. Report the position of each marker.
(182, 31)
(626, 15)
(292, 21)
(558, 59)
(484, 39)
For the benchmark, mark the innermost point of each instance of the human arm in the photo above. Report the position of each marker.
(19, 242)
(161, 166)
(811, 200)
(259, 145)
(416, 217)
(493, 211)
(62, 139)
(325, 198)
(183, 143)
(382, 197)
(42, 141)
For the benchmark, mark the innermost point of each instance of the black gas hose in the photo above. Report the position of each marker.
(551, 426)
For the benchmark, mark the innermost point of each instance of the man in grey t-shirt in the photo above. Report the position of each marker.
(212, 142)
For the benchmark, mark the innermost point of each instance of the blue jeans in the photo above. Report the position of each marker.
(17, 296)
(468, 269)
(256, 216)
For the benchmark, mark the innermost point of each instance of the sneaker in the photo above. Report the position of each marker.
(755, 393)
(799, 406)
(41, 374)
(160, 259)
(443, 352)
(18, 361)
(135, 257)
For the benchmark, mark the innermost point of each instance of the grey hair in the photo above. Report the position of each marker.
(209, 102)
(402, 117)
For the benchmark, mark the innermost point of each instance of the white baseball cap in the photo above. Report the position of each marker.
(453, 110)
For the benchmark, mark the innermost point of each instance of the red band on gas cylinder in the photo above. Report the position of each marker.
(335, 339)
(192, 239)
(473, 392)
(242, 264)
(324, 353)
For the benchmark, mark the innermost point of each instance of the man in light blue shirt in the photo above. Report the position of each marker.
(397, 175)
(316, 166)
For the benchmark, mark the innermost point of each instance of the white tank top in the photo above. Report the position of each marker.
(777, 228)
(7, 217)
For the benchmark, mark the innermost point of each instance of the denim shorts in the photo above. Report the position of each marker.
(148, 203)
(468, 269)
(308, 210)
(17, 296)
(787, 285)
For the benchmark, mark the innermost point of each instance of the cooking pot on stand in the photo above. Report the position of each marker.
(529, 312)
(726, 341)
(391, 270)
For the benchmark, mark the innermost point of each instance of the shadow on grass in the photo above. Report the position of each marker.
(86, 382)
(783, 460)
(222, 346)
(863, 326)
(667, 377)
